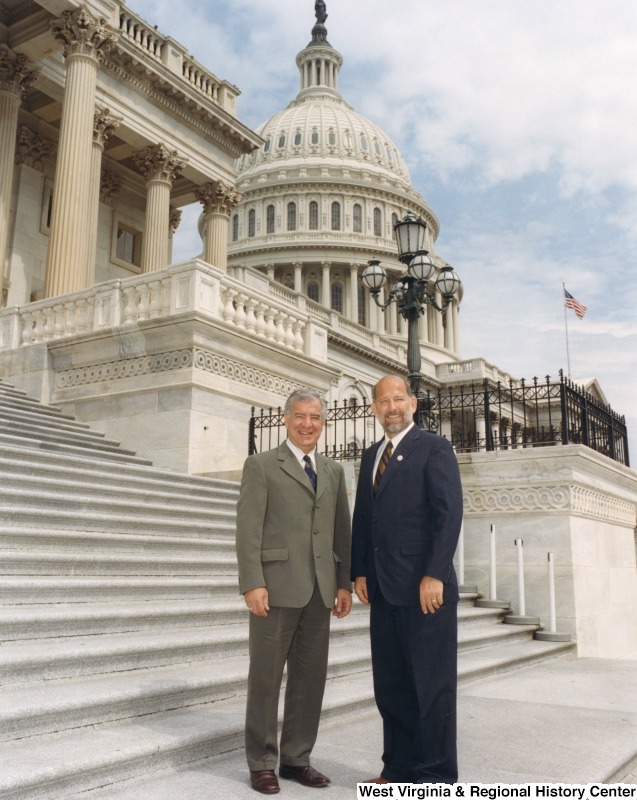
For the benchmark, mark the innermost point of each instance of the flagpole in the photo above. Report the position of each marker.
(568, 355)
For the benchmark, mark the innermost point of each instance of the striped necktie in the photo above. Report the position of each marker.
(384, 460)
(310, 471)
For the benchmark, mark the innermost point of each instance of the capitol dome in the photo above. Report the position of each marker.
(321, 196)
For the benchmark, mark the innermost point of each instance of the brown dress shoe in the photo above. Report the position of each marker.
(306, 776)
(264, 781)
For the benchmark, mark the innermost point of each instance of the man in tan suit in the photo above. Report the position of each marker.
(293, 549)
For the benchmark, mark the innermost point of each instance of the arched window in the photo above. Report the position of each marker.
(266, 146)
(331, 137)
(281, 140)
(378, 227)
(315, 137)
(313, 291)
(363, 141)
(252, 222)
(314, 216)
(336, 216)
(235, 227)
(291, 216)
(337, 297)
(377, 149)
(298, 138)
(362, 306)
(357, 218)
(269, 219)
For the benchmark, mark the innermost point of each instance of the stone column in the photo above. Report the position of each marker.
(353, 292)
(449, 342)
(16, 76)
(103, 128)
(298, 276)
(456, 328)
(160, 167)
(218, 200)
(174, 220)
(85, 39)
(326, 289)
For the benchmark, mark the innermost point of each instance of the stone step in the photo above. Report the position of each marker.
(59, 501)
(104, 454)
(19, 589)
(36, 708)
(82, 468)
(42, 621)
(69, 657)
(27, 562)
(49, 433)
(90, 487)
(20, 415)
(101, 516)
(70, 761)
(17, 401)
(103, 542)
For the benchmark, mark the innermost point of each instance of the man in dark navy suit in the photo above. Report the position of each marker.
(406, 525)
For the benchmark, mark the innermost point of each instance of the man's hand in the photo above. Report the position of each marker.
(257, 601)
(431, 591)
(360, 587)
(343, 604)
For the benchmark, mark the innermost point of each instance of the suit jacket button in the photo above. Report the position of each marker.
(315, 532)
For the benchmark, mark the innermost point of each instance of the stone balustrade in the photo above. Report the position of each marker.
(191, 287)
(152, 44)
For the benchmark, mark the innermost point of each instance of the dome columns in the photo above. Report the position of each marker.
(218, 200)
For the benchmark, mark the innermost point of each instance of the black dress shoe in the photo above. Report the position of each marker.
(264, 781)
(306, 776)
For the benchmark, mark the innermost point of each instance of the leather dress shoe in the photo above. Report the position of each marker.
(306, 776)
(264, 781)
(377, 780)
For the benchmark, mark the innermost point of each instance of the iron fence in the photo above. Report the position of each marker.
(486, 416)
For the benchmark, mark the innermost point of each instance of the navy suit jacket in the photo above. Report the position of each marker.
(410, 528)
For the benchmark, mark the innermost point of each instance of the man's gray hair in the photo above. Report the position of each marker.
(398, 378)
(304, 395)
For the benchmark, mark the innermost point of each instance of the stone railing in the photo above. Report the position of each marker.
(187, 288)
(174, 57)
(244, 299)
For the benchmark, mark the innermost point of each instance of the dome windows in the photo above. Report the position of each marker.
(357, 218)
(252, 223)
(313, 291)
(336, 216)
(267, 145)
(269, 219)
(378, 222)
(314, 215)
(331, 137)
(235, 227)
(281, 143)
(315, 137)
(337, 297)
(291, 216)
(363, 143)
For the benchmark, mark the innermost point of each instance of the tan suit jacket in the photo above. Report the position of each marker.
(288, 537)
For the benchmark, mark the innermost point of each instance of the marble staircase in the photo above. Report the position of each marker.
(123, 639)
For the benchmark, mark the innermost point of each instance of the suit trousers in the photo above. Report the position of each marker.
(300, 638)
(414, 656)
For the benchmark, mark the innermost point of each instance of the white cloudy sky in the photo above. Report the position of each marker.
(518, 121)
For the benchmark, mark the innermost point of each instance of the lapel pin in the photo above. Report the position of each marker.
(399, 458)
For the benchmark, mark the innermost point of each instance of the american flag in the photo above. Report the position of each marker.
(571, 302)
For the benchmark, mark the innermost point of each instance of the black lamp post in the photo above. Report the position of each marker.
(411, 292)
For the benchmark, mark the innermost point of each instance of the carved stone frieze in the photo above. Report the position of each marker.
(570, 498)
(82, 34)
(16, 74)
(110, 184)
(175, 360)
(174, 218)
(104, 126)
(217, 197)
(31, 149)
(157, 162)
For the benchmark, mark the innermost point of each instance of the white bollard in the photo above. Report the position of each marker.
(552, 635)
(492, 602)
(521, 617)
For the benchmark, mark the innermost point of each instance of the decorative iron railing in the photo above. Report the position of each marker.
(478, 416)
